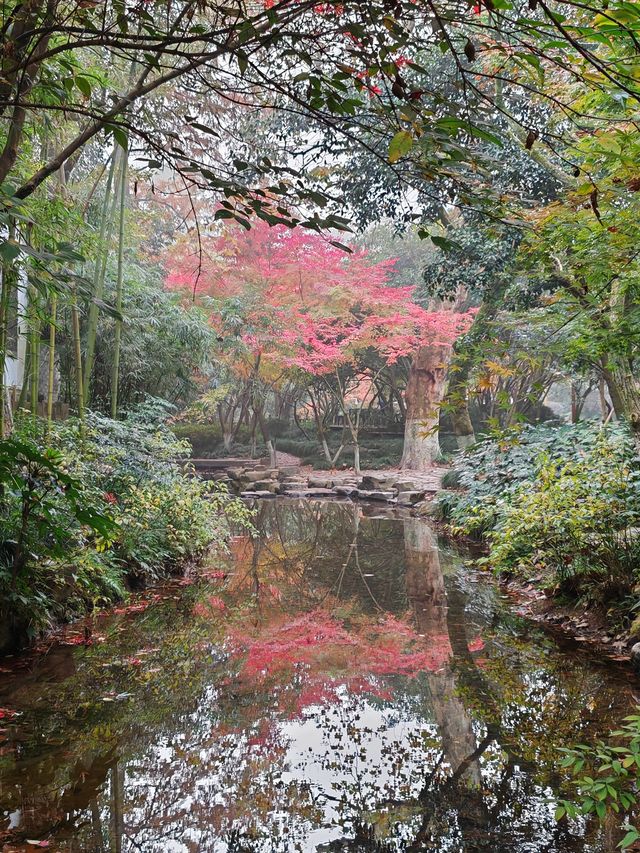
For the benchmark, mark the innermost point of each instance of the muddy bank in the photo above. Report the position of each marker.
(580, 625)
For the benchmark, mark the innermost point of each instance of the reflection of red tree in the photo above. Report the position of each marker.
(308, 660)
(318, 639)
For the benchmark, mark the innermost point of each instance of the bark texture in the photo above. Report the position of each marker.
(425, 391)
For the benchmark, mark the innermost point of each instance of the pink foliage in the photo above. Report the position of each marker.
(314, 307)
(317, 638)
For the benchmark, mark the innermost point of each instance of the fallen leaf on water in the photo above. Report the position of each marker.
(7, 713)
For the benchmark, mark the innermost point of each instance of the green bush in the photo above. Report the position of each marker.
(96, 507)
(560, 505)
(487, 475)
(605, 777)
(576, 526)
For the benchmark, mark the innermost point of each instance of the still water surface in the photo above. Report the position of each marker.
(341, 682)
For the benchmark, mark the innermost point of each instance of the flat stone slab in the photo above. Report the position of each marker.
(321, 482)
(254, 476)
(410, 498)
(260, 494)
(375, 495)
(347, 491)
(265, 485)
(288, 470)
(370, 482)
(293, 484)
(311, 493)
(405, 485)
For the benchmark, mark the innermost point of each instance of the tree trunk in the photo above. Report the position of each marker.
(624, 391)
(457, 396)
(7, 275)
(77, 353)
(425, 390)
(356, 459)
(104, 238)
(115, 373)
(52, 362)
(427, 596)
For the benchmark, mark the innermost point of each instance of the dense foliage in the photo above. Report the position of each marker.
(97, 508)
(557, 505)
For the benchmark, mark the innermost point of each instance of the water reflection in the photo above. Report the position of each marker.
(342, 684)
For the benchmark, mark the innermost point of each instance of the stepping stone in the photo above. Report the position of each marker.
(409, 498)
(406, 485)
(375, 495)
(254, 476)
(260, 494)
(265, 485)
(320, 482)
(311, 493)
(289, 470)
(347, 491)
(285, 488)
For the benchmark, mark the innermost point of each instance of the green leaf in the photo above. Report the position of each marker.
(9, 251)
(340, 246)
(400, 145)
(121, 137)
(629, 838)
(84, 85)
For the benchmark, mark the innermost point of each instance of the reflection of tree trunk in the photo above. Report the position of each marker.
(457, 398)
(425, 390)
(96, 827)
(117, 805)
(428, 597)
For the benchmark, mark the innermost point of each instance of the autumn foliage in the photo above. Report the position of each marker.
(300, 302)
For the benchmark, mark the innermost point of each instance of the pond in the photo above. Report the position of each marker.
(341, 682)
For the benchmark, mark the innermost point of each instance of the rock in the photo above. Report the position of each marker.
(320, 482)
(371, 483)
(425, 509)
(634, 654)
(405, 485)
(410, 498)
(265, 485)
(375, 495)
(235, 473)
(285, 488)
(272, 473)
(347, 491)
(289, 470)
(257, 494)
(311, 493)
(254, 476)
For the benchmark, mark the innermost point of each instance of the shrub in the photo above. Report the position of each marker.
(605, 778)
(98, 504)
(488, 474)
(560, 505)
(576, 526)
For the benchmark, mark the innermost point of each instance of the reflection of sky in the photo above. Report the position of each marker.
(353, 757)
(302, 785)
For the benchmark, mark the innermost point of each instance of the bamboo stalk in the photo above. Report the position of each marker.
(5, 297)
(34, 335)
(77, 352)
(106, 228)
(119, 288)
(52, 361)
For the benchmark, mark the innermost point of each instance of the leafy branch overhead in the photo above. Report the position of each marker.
(363, 72)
